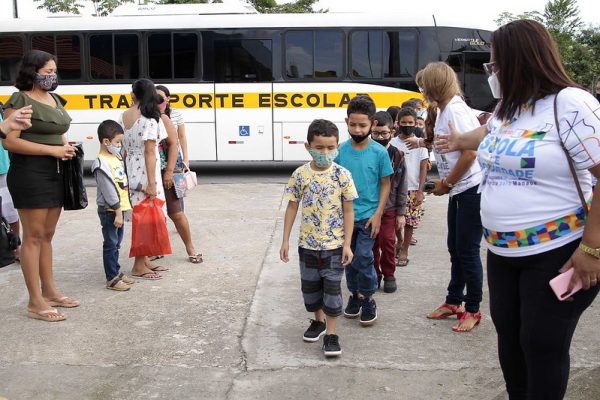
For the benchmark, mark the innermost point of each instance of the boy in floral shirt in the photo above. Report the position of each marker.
(326, 191)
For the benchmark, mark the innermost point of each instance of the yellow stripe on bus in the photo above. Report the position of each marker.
(237, 100)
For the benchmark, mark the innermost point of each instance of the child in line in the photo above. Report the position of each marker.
(370, 166)
(113, 202)
(416, 166)
(326, 191)
(392, 219)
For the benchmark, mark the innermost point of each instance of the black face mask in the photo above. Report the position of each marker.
(359, 138)
(383, 142)
(418, 132)
(598, 96)
(407, 129)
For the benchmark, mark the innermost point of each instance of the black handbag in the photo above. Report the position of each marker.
(75, 193)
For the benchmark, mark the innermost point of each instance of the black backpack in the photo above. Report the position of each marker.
(8, 242)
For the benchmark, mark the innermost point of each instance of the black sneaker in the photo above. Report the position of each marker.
(368, 313)
(314, 331)
(353, 307)
(389, 284)
(331, 346)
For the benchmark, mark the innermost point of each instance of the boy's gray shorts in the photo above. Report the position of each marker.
(321, 272)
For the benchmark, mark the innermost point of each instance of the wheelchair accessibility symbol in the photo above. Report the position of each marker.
(244, 130)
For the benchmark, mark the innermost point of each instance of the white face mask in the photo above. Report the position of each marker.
(495, 86)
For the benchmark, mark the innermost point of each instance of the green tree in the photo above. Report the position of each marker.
(579, 47)
(271, 6)
(101, 7)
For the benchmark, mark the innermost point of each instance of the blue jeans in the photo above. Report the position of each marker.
(464, 238)
(360, 274)
(113, 237)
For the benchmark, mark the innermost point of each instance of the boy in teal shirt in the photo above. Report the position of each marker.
(370, 166)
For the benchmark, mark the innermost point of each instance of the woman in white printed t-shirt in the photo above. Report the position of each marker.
(534, 221)
(460, 176)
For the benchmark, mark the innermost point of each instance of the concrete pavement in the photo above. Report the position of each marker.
(231, 328)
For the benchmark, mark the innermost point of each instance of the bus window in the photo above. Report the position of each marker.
(10, 56)
(314, 54)
(67, 50)
(159, 56)
(172, 55)
(185, 54)
(299, 54)
(399, 54)
(380, 54)
(329, 54)
(246, 60)
(125, 64)
(367, 54)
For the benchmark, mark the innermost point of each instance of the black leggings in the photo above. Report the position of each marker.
(534, 328)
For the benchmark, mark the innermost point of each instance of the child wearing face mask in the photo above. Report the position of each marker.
(112, 199)
(326, 191)
(393, 218)
(416, 165)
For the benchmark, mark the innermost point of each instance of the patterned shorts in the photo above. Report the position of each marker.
(321, 272)
(414, 212)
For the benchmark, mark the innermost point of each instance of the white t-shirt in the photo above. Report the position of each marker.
(527, 190)
(464, 119)
(413, 160)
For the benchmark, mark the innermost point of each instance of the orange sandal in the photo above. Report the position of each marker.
(457, 310)
(466, 315)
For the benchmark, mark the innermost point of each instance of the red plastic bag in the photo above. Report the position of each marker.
(149, 236)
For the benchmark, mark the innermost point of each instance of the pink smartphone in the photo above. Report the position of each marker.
(560, 284)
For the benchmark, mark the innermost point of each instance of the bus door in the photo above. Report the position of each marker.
(469, 68)
(243, 93)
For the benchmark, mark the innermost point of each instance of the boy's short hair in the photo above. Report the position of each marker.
(407, 111)
(383, 118)
(322, 127)
(393, 111)
(409, 104)
(109, 129)
(362, 104)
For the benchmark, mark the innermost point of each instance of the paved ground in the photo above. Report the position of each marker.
(231, 328)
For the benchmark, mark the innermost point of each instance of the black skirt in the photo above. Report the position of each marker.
(35, 181)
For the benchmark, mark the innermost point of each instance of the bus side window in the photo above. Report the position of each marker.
(66, 48)
(314, 54)
(172, 55)
(12, 52)
(126, 61)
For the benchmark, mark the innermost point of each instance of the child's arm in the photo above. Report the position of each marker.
(288, 222)
(348, 208)
(422, 178)
(401, 197)
(384, 193)
(118, 218)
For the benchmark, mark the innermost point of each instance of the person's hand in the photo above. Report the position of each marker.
(347, 255)
(64, 152)
(151, 190)
(412, 142)
(118, 219)
(440, 188)
(419, 197)
(447, 143)
(375, 223)
(168, 179)
(18, 120)
(400, 222)
(587, 269)
(284, 252)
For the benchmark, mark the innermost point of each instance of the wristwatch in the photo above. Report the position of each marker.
(450, 185)
(590, 250)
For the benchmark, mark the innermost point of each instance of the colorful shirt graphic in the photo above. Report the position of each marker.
(529, 202)
(321, 194)
(120, 178)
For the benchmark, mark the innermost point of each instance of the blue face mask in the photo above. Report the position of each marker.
(322, 160)
(116, 150)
